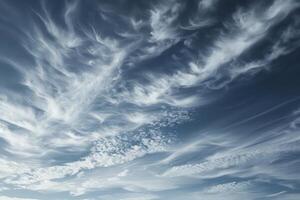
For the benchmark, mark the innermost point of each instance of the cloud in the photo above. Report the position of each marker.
(203, 17)
(161, 19)
(243, 31)
(234, 160)
(104, 153)
(113, 106)
(15, 198)
(276, 194)
(228, 187)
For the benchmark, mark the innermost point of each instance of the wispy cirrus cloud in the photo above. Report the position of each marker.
(108, 97)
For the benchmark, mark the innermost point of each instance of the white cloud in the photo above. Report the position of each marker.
(228, 187)
(79, 100)
(14, 198)
(162, 18)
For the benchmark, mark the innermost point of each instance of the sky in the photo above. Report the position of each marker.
(149, 100)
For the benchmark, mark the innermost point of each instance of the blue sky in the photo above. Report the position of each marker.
(149, 100)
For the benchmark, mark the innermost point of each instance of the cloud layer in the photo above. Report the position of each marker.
(149, 100)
